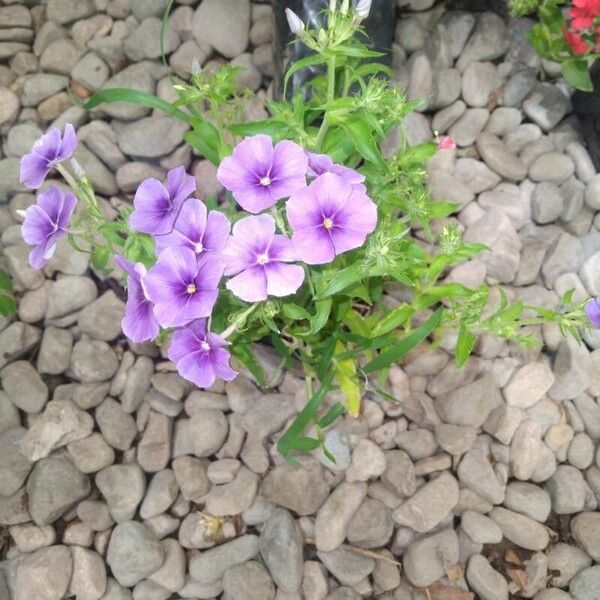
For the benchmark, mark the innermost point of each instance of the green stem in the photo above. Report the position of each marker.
(330, 98)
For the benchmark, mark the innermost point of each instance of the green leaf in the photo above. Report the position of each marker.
(356, 51)
(198, 142)
(245, 355)
(364, 142)
(5, 282)
(309, 61)
(464, 346)
(322, 315)
(135, 97)
(294, 312)
(100, 256)
(398, 350)
(8, 305)
(305, 417)
(163, 29)
(332, 415)
(345, 372)
(394, 319)
(577, 74)
(269, 127)
(552, 16)
(341, 280)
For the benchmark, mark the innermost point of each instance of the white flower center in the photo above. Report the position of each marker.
(191, 288)
(198, 247)
(205, 346)
(265, 181)
(328, 223)
(262, 259)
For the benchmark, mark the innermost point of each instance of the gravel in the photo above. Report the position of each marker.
(119, 480)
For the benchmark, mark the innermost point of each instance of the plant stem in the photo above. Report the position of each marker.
(330, 97)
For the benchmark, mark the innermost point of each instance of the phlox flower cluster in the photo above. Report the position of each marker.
(583, 34)
(327, 211)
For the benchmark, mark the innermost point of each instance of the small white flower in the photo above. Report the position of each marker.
(363, 8)
(294, 21)
(77, 169)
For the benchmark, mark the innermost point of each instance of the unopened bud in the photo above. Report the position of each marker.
(363, 8)
(196, 68)
(77, 169)
(294, 21)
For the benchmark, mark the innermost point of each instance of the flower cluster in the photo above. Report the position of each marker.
(583, 33)
(327, 210)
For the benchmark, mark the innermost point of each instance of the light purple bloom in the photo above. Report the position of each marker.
(196, 230)
(183, 286)
(200, 356)
(139, 323)
(46, 222)
(257, 257)
(258, 174)
(329, 217)
(157, 206)
(592, 310)
(45, 154)
(322, 163)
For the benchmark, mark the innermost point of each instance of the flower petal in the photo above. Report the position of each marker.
(314, 246)
(250, 285)
(283, 279)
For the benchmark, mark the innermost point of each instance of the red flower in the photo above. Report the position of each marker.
(577, 43)
(584, 13)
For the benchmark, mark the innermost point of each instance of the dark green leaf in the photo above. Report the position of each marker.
(322, 315)
(577, 75)
(8, 305)
(398, 350)
(5, 282)
(364, 142)
(135, 97)
(356, 51)
(334, 413)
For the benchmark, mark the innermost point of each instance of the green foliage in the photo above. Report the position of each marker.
(339, 326)
(8, 304)
(548, 38)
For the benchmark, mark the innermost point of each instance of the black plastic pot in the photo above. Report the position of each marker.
(379, 27)
(586, 106)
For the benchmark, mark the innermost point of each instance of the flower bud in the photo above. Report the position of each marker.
(363, 8)
(77, 169)
(294, 21)
(196, 68)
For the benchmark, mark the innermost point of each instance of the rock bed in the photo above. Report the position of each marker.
(117, 480)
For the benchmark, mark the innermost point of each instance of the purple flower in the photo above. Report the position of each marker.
(45, 154)
(257, 257)
(183, 286)
(592, 310)
(196, 230)
(156, 206)
(200, 356)
(321, 163)
(329, 217)
(139, 323)
(46, 222)
(258, 174)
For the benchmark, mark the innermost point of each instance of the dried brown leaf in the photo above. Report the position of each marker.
(440, 591)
